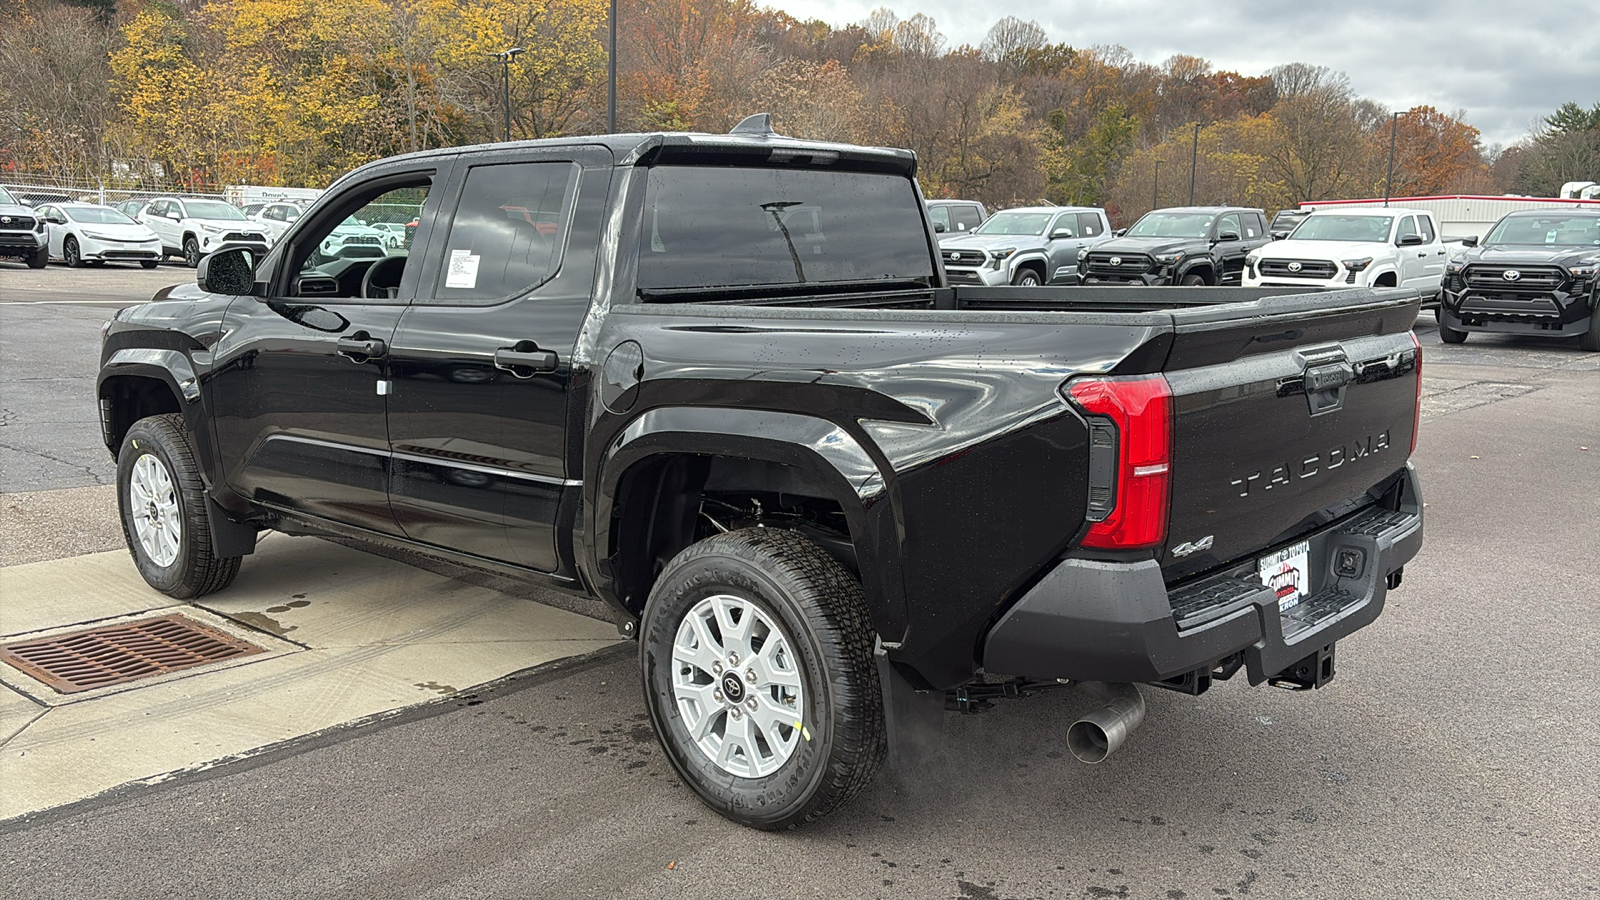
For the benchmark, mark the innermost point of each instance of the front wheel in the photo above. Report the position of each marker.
(191, 252)
(40, 258)
(1590, 340)
(759, 678)
(1026, 278)
(70, 254)
(149, 263)
(164, 515)
(1450, 335)
(1192, 280)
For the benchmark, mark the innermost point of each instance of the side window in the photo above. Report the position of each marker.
(1229, 223)
(1065, 222)
(940, 215)
(157, 208)
(1406, 228)
(508, 231)
(1425, 228)
(1088, 225)
(966, 217)
(342, 255)
(1255, 224)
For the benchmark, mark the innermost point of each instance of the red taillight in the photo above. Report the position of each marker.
(1140, 409)
(1416, 415)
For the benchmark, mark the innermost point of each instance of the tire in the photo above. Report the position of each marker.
(1025, 278)
(70, 254)
(1590, 340)
(39, 259)
(191, 251)
(810, 617)
(1192, 280)
(1450, 335)
(163, 510)
(149, 263)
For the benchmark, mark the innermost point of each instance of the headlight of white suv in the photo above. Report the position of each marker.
(212, 229)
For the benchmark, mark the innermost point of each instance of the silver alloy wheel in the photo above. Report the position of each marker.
(736, 682)
(153, 504)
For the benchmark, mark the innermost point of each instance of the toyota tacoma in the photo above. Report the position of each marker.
(1535, 273)
(730, 392)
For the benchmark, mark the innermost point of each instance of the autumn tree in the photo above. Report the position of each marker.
(1564, 147)
(55, 99)
(1434, 153)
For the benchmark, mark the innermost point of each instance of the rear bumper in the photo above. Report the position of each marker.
(1104, 621)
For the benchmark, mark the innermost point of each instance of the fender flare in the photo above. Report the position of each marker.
(1018, 259)
(1190, 264)
(834, 459)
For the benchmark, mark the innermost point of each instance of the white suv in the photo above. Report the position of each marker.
(1367, 247)
(194, 226)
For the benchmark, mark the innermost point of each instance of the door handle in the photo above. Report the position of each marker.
(359, 345)
(526, 355)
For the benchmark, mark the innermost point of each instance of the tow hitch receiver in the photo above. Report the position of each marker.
(1312, 672)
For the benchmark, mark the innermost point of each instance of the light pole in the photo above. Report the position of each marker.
(505, 57)
(1394, 120)
(611, 92)
(1194, 161)
(1155, 193)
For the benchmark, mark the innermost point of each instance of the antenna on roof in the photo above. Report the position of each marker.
(760, 123)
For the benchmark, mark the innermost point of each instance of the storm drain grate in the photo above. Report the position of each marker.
(85, 660)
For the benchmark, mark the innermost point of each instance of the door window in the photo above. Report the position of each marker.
(1088, 225)
(1406, 228)
(940, 215)
(1425, 228)
(1229, 223)
(1065, 222)
(965, 217)
(342, 255)
(508, 231)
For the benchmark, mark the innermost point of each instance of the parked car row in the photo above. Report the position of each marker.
(1537, 272)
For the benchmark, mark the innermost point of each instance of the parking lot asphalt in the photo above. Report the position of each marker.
(1452, 756)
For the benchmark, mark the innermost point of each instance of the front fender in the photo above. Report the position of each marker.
(830, 457)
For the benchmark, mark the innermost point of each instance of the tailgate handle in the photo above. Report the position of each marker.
(1324, 386)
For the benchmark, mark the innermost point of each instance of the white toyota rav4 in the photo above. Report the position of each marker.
(1376, 247)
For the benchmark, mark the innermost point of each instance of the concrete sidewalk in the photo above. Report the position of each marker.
(346, 636)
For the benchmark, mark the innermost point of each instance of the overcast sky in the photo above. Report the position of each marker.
(1504, 64)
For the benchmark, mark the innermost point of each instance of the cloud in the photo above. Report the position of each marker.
(1504, 68)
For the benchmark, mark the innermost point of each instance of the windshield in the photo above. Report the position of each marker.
(212, 209)
(1187, 225)
(1016, 223)
(1372, 229)
(1547, 230)
(5, 197)
(96, 215)
(715, 226)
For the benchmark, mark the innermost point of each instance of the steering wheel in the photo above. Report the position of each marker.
(370, 281)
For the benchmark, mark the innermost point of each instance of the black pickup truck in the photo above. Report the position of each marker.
(720, 383)
(1190, 245)
(1536, 273)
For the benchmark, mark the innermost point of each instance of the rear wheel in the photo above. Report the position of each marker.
(758, 674)
(1026, 278)
(164, 515)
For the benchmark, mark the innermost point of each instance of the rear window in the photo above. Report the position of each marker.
(710, 226)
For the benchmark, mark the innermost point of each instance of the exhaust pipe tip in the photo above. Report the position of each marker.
(1098, 735)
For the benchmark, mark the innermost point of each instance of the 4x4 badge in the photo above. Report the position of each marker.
(1193, 546)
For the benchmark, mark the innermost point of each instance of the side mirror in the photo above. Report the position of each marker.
(227, 271)
(1469, 242)
(1279, 235)
(938, 229)
(1060, 234)
(1410, 240)
(1227, 236)
(1119, 232)
(174, 217)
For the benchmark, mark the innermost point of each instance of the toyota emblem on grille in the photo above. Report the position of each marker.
(1295, 267)
(1511, 274)
(5, 220)
(955, 256)
(1116, 260)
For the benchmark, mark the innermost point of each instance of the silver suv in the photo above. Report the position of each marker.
(1028, 246)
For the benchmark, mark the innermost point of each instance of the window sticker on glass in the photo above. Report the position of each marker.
(463, 270)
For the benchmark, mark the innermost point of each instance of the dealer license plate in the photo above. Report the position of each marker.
(1286, 573)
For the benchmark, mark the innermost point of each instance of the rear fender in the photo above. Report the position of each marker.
(831, 459)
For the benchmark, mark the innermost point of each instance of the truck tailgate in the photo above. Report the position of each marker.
(1282, 417)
